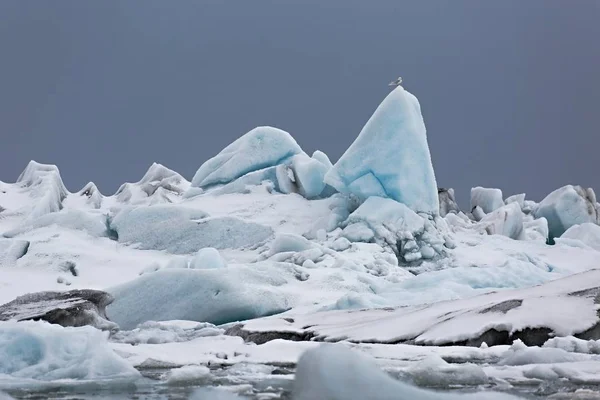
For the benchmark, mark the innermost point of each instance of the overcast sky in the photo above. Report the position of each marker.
(510, 90)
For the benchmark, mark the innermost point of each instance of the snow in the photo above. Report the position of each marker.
(208, 258)
(334, 372)
(487, 198)
(94, 224)
(40, 351)
(587, 233)
(289, 242)
(390, 157)
(205, 295)
(262, 147)
(565, 207)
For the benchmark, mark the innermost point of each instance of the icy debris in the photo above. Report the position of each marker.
(208, 258)
(187, 374)
(488, 199)
(567, 206)
(260, 148)
(447, 201)
(94, 224)
(73, 308)
(433, 371)
(208, 295)
(393, 225)
(574, 345)
(93, 196)
(153, 332)
(41, 351)
(182, 230)
(506, 220)
(334, 372)
(586, 233)
(390, 157)
(46, 186)
(11, 250)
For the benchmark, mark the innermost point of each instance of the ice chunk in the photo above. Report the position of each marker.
(390, 157)
(280, 181)
(516, 198)
(322, 158)
(536, 229)
(565, 207)
(159, 184)
(46, 186)
(286, 242)
(587, 233)
(447, 201)
(182, 230)
(334, 372)
(572, 344)
(309, 174)
(506, 220)
(260, 148)
(488, 199)
(187, 374)
(433, 371)
(92, 195)
(208, 258)
(208, 295)
(519, 354)
(38, 350)
(358, 232)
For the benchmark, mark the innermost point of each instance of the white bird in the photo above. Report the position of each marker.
(396, 82)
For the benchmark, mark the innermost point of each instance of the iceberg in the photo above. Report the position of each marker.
(260, 148)
(390, 158)
(567, 206)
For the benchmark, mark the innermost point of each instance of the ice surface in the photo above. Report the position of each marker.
(260, 148)
(208, 258)
(210, 295)
(586, 233)
(334, 372)
(565, 207)
(574, 345)
(488, 199)
(433, 371)
(37, 350)
(182, 230)
(288, 242)
(390, 157)
(214, 394)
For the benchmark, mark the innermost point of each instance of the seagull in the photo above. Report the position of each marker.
(396, 82)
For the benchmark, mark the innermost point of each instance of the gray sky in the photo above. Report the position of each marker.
(509, 89)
